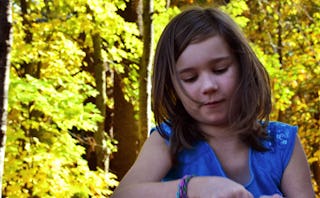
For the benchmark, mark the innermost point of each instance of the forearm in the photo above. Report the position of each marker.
(152, 189)
(197, 187)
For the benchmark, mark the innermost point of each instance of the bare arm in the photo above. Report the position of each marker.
(296, 180)
(153, 163)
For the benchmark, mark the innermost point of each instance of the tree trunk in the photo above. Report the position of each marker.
(125, 125)
(125, 131)
(5, 46)
(145, 67)
(100, 78)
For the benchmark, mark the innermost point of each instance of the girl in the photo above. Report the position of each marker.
(211, 101)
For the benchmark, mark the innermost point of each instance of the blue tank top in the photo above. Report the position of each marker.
(266, 168)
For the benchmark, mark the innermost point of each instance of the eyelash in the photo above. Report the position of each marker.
(215, 71)
(220, 71)
(190, 79)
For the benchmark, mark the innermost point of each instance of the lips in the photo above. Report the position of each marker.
(213, 103)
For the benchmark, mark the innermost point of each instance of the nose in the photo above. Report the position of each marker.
(209, 84)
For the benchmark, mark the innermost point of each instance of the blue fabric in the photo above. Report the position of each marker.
(266, 168)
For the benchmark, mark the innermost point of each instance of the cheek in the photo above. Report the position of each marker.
(188, 92)
(230, 88)
(232, 81)
(232, 84)
(184, 91)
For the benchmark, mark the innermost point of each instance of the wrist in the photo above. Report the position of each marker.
(193, 189)
(182, 191)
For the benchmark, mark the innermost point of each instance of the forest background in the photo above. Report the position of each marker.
(78, 109)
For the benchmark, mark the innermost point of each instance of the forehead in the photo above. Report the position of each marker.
(204, 51)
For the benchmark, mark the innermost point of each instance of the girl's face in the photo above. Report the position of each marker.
(207, 76)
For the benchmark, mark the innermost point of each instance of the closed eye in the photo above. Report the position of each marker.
(220, 70)
(189, 79)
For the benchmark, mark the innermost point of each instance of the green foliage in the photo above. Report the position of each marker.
(63, 106)
(235, 9)
(54, 170)
(40, 150)
(161, 17)
(50, 90)
(42, 157)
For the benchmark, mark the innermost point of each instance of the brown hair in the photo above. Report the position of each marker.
(251, 101)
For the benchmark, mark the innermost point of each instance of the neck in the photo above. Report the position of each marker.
(222, 137)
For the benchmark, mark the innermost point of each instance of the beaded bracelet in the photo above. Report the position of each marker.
(183, 186)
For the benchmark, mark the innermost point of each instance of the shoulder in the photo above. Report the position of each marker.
(163, 129)
(280, 143)
(281, 128)
(281, 135)
(270, 165)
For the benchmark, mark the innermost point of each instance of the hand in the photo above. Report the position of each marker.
(271, 196)
(216, 187)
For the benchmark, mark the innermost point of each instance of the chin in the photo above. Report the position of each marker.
(217, 122)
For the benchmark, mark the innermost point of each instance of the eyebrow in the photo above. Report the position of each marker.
(210, 62)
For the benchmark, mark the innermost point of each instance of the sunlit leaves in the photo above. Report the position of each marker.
(44, 155)
(52, 171)
(64, 107)
(235, 9)
(161, 17)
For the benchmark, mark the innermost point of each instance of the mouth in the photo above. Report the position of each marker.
(213, 103)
